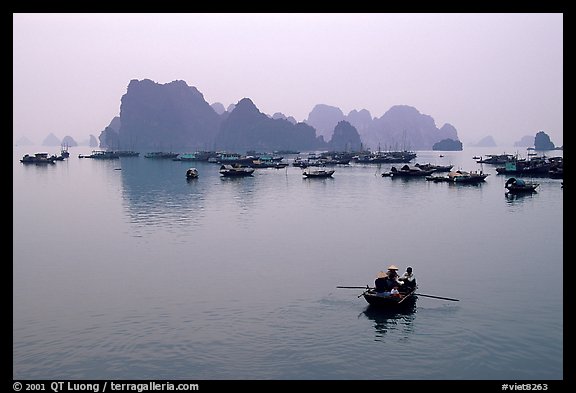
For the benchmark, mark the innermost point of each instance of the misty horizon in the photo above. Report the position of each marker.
(498, 75)
(55, 140)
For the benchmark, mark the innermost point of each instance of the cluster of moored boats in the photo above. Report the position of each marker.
(314, 165)
(509, 164)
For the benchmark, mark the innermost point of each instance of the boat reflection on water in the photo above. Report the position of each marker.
(512, 197)
(387, 321)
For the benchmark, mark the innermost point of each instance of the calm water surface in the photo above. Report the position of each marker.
(123, 269)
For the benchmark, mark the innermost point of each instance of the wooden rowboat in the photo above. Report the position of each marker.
(403, 300)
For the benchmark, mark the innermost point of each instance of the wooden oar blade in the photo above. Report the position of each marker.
(365, 287)
(437, 297)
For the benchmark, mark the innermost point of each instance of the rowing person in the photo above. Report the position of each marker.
(380, 285)
(408, 280)
(385, 282)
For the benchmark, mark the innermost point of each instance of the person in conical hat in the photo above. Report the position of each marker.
(380, 282)
(392, 272)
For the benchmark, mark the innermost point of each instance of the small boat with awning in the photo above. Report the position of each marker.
(514, 185)
(192, 173)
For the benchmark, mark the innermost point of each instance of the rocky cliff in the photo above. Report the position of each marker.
(175, 117)
(167, 116)
(246, 128)
(345, 138)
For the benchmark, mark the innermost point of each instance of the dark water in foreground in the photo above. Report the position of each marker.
(123, 269)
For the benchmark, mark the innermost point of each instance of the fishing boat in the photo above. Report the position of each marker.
(388, 301)
(408, 171)
(404, 299)
(496, 159)
(64, 153)
(38, 158)
(522, 166)
(192, 173)
(233, 159)
(381, 157)
(160, 154)
(309, 172)
(236, 170)
(101, 155)
(514, 185)
(460, 176)
(127, 153)
(436, 168)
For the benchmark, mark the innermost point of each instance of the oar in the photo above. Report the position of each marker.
(363, 293)
(407, 296)
(437, 297)
(366, 287)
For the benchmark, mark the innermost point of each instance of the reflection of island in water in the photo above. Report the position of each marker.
(386, 321)
(157, 193)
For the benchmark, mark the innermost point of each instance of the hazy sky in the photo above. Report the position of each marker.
(486, 74)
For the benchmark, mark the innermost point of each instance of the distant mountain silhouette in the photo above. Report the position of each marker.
(93, 141)
(361, 120)
(68, 141)
(401, 127)
(110, 136)
(23, 141)
(345, 138)
(324, 118)
(218, 108)
(525, 141)
(246, 128)
(176, 117)
(51, 140)
(280, 115)
(487, 141)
